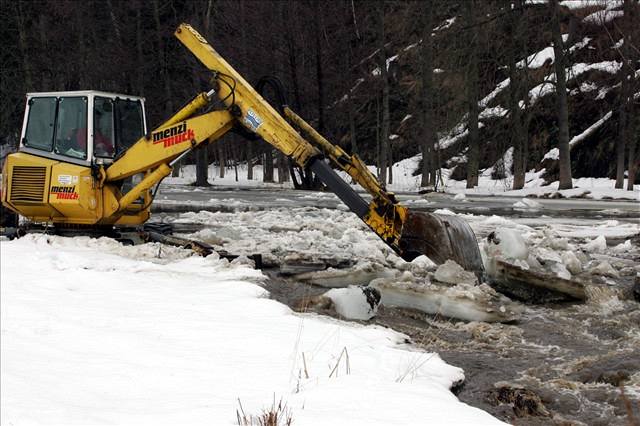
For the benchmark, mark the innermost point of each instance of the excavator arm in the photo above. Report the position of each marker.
(408, 233)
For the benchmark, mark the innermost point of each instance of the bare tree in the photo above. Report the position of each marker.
(202, 158)
(472, 95)
(384, 81)
(628, 134)
(517, 89)
(427, 97)
(561, 98)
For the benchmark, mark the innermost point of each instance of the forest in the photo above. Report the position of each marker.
(468, 84)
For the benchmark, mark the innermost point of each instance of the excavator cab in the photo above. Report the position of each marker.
(82, 127)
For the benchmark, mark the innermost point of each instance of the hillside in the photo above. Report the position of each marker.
(590, 32)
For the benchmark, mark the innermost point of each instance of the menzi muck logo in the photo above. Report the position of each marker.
(65, 192)
(173, 135)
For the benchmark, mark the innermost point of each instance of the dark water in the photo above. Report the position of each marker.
(565, 362)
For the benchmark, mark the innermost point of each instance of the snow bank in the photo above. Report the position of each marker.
(94, 337)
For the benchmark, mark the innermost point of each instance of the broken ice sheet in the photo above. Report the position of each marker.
(360, 274)
(462, 301)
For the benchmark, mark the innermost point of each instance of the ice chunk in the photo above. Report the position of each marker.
(597, 245)
(560, 270)
(423, 261)
(359, 303)
(623, 247)
(507, 244)
(460, 196)
(444, 212)
(572, 262)
(605, 268)
(452, 273)
(463, 301)
(552, 240)
(527, 203)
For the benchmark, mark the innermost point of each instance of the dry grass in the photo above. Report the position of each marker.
(278, 415)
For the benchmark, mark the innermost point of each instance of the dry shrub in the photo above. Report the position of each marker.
(277, 415)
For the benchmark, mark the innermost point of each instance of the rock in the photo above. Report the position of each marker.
(525, 402)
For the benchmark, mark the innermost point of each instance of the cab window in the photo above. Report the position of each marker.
(40, 124)
(103, 130)
(129, 123)
(71, 127)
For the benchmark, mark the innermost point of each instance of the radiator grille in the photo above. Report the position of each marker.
(27, 184)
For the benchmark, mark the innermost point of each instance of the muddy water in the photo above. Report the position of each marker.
(559, 364)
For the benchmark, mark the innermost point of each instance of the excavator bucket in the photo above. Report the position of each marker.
(440, 238)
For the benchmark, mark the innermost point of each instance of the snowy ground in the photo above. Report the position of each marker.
(97, 333)
(404, 181)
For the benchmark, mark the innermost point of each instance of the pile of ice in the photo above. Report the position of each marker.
(583, 260)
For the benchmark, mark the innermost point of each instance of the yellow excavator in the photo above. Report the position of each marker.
(79, 151)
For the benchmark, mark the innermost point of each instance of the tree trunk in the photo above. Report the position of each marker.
(472, 99)
(350, 112)
(139, 52)
(378, 136)
(319, 72)
(622, 127)
(222, 159)
(632, 56)
(267, 167)
(427, 98)
(561, 95)
(22, 39)
(202, 158)
(202, 162)
(382, 63)
(515, 90)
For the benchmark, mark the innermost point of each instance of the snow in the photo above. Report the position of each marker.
(554, 153)
(446, 24)
(538, 59)
(602, 17)
(508, 244)
(99, 334)
(592, 188)
(581, 4)
(497, 111)
(353, 303)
